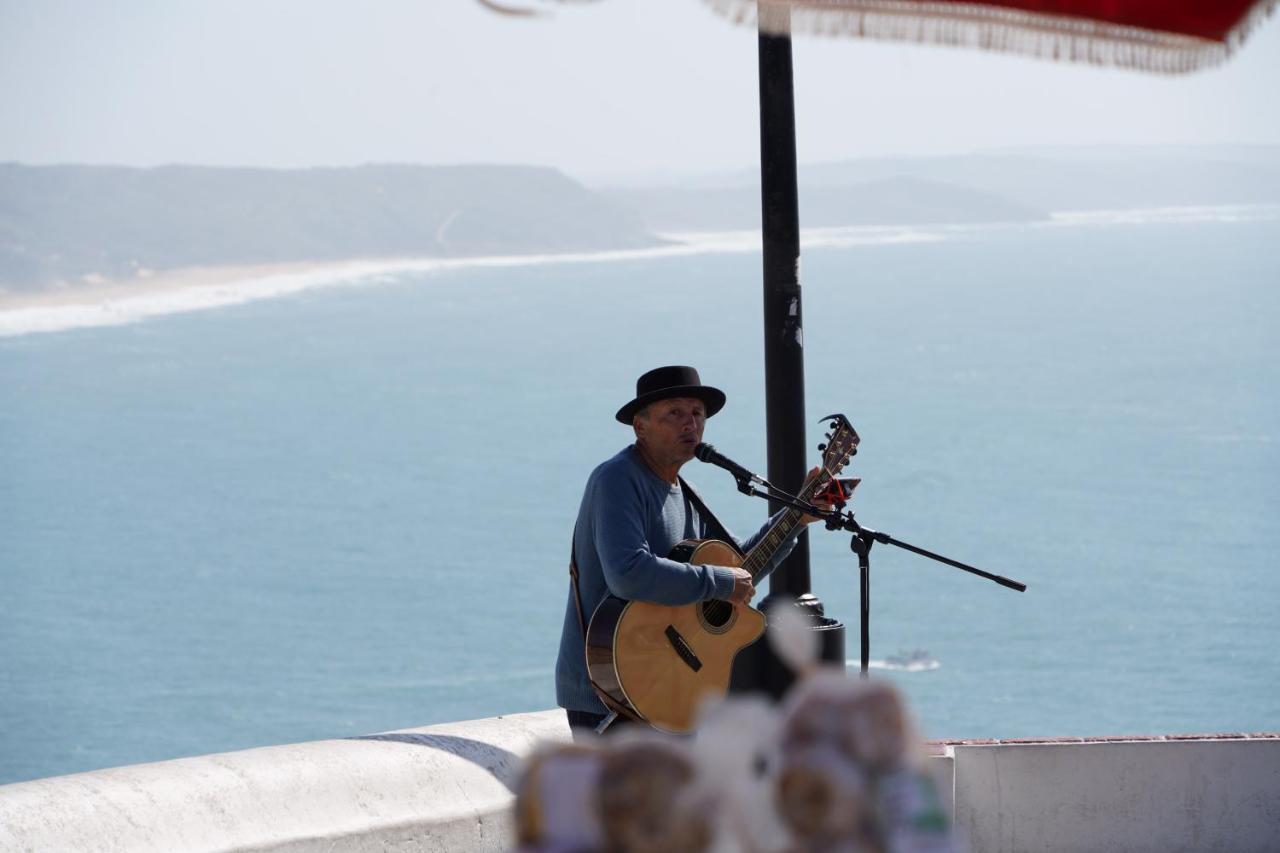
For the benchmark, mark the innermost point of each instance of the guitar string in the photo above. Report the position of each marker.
(718, 611)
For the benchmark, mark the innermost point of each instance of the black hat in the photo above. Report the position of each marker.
(666, 382)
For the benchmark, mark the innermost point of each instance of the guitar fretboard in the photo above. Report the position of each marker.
(782, 529)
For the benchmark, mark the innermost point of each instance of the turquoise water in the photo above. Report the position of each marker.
(348, 510)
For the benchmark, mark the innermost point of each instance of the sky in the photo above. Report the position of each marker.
(604, 91)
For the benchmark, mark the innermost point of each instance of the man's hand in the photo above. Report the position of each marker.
(810, 519)
(743, 588)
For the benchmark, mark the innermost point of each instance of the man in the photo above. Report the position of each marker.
(634, 511)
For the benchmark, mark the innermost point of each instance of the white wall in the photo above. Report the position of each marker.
(1143, 795)
(449, 788)
(439, 788)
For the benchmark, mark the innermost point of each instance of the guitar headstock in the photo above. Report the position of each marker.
(841, 443)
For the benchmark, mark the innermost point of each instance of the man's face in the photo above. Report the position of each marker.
(670, 429)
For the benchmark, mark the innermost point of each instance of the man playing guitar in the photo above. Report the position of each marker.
(634, 511)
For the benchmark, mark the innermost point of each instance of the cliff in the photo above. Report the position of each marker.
(63, 223)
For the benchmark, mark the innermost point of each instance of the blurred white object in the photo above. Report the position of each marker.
(556, 802)
(736, 751)
(792, 638)
(838, 768)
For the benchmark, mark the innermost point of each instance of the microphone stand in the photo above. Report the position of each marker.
(863, 539)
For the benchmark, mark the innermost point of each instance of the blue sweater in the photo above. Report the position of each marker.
(628, 521)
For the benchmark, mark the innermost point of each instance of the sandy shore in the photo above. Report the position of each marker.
(106, 302)
(115, 302)
(105, 290)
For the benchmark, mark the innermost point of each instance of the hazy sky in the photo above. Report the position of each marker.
(610, 88)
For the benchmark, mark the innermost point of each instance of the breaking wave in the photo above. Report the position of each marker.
(1169, 215)
(913, 662)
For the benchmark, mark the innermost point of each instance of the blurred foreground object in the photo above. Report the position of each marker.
(836, 767)
(525, 9)
(1169, 36)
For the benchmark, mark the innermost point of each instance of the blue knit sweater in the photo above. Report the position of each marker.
(628, 521)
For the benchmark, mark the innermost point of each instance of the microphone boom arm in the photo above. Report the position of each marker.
(837, 518)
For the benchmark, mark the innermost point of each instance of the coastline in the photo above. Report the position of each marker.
(114, 302)
(98, 288)
(117, 302)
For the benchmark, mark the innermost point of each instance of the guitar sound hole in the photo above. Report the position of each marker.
(716, 612)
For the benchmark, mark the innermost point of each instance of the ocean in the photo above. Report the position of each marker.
(347, 509)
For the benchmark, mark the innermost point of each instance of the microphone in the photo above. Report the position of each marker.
(706, 453)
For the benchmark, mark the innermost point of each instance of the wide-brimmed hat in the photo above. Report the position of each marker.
(663, 383)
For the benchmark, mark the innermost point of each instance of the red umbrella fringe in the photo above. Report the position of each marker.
(974, 25)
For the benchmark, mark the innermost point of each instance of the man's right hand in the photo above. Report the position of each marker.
(743, 588)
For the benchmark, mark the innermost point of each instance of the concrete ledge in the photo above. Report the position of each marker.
(439, 788)
(1170, 793)
(449, 788)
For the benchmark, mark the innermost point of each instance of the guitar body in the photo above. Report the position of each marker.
(658, 661)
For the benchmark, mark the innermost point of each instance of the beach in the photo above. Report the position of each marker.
(112, 302)
(96, 289)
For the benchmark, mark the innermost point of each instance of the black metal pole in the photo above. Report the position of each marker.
(783, 320)
(862, 547)
(757, 668)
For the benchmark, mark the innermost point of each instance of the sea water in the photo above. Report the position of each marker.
(347, 510)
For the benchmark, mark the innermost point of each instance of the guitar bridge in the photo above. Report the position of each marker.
(681, 645)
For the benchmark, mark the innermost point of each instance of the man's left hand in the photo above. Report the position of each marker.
(826, 505)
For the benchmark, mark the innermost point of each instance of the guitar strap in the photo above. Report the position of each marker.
(573, 575)
(609, 702)
(716, 529)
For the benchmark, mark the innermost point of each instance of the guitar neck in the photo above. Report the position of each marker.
(781, 530)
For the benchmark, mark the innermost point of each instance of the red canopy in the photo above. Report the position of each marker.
(1154, 35)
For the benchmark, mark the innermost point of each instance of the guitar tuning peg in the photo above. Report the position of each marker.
(821, 447)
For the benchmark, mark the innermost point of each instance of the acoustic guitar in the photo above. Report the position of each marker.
(659, 662)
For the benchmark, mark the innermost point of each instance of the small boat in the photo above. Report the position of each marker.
(916, 660)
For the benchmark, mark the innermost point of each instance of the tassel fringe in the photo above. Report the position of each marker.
(991, 28)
